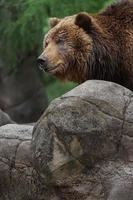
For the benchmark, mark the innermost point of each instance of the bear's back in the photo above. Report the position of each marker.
(122, 29)
(121, 11)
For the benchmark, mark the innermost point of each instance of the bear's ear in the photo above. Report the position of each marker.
(53, 21)
(83, 20)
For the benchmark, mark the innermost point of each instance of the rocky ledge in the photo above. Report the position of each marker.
(80, 149)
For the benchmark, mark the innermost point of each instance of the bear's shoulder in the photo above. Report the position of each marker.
(118, 9)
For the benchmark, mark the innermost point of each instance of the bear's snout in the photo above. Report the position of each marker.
(42, 63)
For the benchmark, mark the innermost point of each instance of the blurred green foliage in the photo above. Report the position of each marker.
(55, 88)
(23, 24)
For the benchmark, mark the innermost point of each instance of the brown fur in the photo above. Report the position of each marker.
(84, 46)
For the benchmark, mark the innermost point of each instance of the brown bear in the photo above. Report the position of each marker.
(85, 46)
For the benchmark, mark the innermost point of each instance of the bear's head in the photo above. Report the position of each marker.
(67, 47)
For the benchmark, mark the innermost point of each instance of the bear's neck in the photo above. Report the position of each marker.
(104, 63)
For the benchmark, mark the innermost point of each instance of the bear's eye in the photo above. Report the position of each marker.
(59, 40)
(46, 44)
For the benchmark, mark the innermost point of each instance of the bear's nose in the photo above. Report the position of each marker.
(42, 63)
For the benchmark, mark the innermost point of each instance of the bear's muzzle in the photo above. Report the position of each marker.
(42, 63)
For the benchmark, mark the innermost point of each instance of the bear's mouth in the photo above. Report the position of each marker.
(47, 69)
(50, 69)
(53, 68)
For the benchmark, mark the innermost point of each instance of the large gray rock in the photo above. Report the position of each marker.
(17, 176)
(83, 143)
(4, 118)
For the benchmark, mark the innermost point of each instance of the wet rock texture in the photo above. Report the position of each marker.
(80, 149)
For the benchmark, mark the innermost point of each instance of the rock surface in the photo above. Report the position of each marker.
(16, 171)
(5, 119)
(83, 143)
(82, 148)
